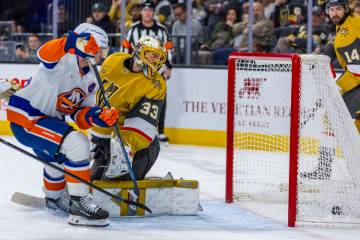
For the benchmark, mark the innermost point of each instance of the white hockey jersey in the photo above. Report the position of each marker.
(57, 89)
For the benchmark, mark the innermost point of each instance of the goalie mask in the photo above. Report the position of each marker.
(150, 54)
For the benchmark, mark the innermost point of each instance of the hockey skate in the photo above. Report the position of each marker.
(85, 213)
(164, 140)
(61, 204)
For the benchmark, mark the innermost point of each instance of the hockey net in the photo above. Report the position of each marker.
(291, 139)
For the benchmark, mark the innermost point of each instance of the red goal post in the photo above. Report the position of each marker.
(308, 136)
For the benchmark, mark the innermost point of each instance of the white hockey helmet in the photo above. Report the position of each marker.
(98, 33)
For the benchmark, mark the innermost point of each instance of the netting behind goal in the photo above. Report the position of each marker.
(286, 112)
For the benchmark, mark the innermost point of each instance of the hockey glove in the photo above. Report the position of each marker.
(8, 88)
(102, 117)
(83, 44)
(118, 164)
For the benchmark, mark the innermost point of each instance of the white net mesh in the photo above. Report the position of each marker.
(328, 164)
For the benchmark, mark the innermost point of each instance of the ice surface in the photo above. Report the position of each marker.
(219, 221)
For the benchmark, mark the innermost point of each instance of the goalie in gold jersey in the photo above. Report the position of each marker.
(135, 87)
(347, 49)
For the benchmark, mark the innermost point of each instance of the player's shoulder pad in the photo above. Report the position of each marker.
(113, 61)
(116, 56)
(147, 109)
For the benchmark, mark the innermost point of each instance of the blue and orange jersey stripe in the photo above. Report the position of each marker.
(21, 112)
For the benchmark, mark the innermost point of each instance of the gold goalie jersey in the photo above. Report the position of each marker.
(347, 49)
(138, 98)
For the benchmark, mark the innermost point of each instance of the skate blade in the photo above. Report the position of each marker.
(82, 221)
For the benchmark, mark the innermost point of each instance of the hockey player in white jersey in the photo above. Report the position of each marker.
(64, 86)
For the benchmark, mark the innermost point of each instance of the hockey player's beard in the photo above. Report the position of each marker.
(336, 20)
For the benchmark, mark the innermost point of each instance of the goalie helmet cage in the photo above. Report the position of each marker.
(291, 139)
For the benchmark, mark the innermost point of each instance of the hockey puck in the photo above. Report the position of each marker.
(336, 210)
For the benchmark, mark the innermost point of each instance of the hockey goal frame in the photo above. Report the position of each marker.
(294, 125)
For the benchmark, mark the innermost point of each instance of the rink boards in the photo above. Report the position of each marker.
(196, 104)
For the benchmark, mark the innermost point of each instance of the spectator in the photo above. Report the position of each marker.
(198, 11)
(21, 53)
(262, 36)
(133, 10)
(222, 35)
(288, 12)
(63, 20)
(179, 29)
(34, 43)
(214, 11)
(269, 7)
(100, 18)
(356, 9)
(263, 31)
(221, 38)
(297, 40)
(164, 13)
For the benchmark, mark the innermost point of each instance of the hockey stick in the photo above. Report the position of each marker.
(311, 115)
(114, 197)
(116, 128)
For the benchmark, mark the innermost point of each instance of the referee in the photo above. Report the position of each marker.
(149, 26)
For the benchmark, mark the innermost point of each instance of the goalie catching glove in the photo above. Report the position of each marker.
(118, 164)
(8, 88)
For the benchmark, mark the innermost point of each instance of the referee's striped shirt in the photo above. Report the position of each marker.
(137, 30)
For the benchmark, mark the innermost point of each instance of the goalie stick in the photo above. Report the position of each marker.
(117, 199)
(135, 192)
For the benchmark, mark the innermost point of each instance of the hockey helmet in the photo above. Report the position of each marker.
(150, 53)
(98, 33)
(330, 3)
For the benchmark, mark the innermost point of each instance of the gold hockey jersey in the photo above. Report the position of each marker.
(138, 98)
(347, 49)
